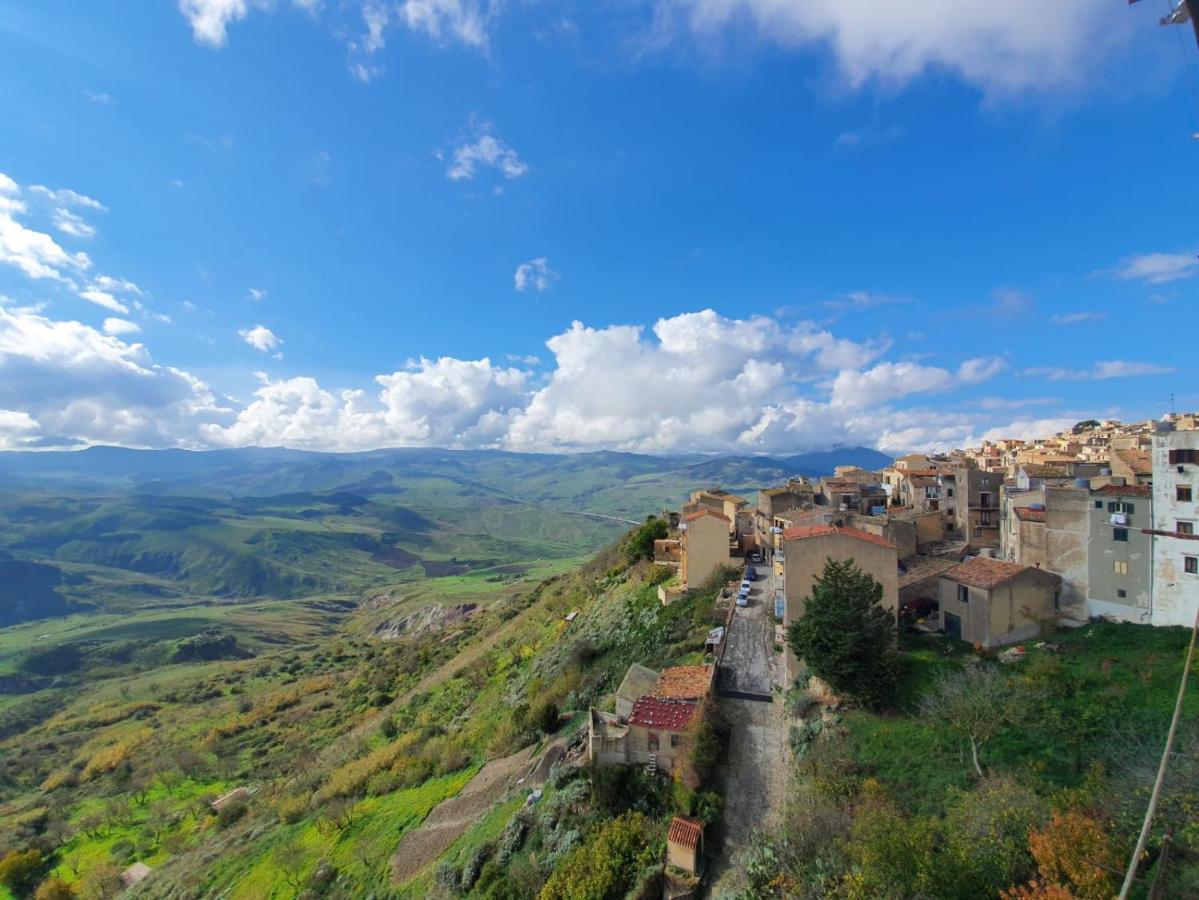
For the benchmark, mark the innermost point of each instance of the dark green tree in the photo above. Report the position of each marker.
(845, 635)
(640, 542)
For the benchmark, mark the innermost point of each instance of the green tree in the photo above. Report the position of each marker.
(640, 542)
(55, 889)
(610, 863)
(845, 635)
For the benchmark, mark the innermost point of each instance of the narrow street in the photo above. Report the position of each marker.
(753, 778)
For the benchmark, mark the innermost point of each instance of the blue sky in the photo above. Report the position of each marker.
(645, 224)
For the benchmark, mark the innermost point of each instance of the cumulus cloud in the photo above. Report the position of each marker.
(1159, 268)
(1002, 48)
(120, 326)
(209, 19)
(485, 150)
(890, 381)
(260, 338)
(75, 225)
(1100, 371)
(535, 275)
(64, 383)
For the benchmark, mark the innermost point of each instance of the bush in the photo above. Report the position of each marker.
(231, 813)
(640, 542)
(614, 859)
(291, 809)
(474, 865)
(546, 717)
(20, 870)
(54, 889)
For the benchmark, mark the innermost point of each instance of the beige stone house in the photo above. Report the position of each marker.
(994, 602)
(801, 557)
(685, 845)
(704, 545)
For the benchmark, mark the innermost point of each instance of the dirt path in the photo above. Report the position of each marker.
(754, 777)
(451, 818)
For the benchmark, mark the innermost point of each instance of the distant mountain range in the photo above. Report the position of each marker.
(270, 471)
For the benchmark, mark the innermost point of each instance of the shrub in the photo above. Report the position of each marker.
(54, 889)
(640, 542)
(612, 861)
(20, 870)
(546, 716)
(291, 809)
(231, 813)
(474, 865)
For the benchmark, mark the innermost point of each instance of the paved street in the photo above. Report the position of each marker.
(753, 778)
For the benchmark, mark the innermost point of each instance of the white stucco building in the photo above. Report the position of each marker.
(1175, 527)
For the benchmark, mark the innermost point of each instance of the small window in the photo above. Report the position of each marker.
(1183, 493)
(1121, 593)
(978, 532)
(963, 594)
(1120, 534)
(674, 740)
(1121, 567)
(1185, 527)
(1113, 507)
(1190, 565)
(1099, 504)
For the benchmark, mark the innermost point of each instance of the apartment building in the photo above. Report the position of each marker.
(1120, 552)
(1175, 537)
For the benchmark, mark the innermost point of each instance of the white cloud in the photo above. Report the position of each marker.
(461, 20)
(1101, 371)
(121, 326)
(890, 381)
(67, 197)
(256, 294)
(1078, 318)
(116, 285)
(534, 275)
(99, 97)
(1159, 268)
(105, 299)
(260, 338)
(75, 225)
(77, 385)
(35, 253)
(210, 18)
(1002, 48)
(486, 150)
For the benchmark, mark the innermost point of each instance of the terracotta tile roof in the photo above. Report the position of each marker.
(1029, 515)
(685, 832)
(699, 514)
(984, 572)
(811, 531)
(658, 712)
(920, 473)
(684, 682)
(1124, 490)
(840, 484)
(1139, 461)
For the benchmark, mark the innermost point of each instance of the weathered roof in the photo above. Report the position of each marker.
(1028, 514)
(1139, 461)
(135, 873)
(810, 531)
(684, 682)
(700, 513)
(685, 832)
(660, 712)
(920, 473)
(985, 572)
(1124, 490)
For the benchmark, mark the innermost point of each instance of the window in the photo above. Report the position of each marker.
(984, 500)
(1113, 507)
(1121, 593)
(1190, 565)
(1183, 493)
(1122, 507)
(1184, 527)
(1121, 567)
(1099, 504)
(674, 740)
(978, 532)
(963, 594)
(1185, 455)
(951, 492)
(1120, 534)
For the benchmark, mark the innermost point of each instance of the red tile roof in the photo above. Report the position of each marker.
(684, 682)
(699, 514)
(985, 572)
(920, 473)
(811, 531)
(659, 712)
(685, 832)
(1029, 515)
(1124, 490)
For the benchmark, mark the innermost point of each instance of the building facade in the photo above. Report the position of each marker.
(1175, 523)
(994, 602)
(1120, 553)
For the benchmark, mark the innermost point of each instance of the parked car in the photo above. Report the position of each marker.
(755, 557)
(751, 574)
(743, 598)
(745, 586)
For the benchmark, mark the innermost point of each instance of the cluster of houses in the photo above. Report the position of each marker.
(985, 544)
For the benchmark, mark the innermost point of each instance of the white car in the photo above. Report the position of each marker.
(743, 598)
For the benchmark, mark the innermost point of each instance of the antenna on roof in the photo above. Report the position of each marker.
(1181, 12)
(1171, 397)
